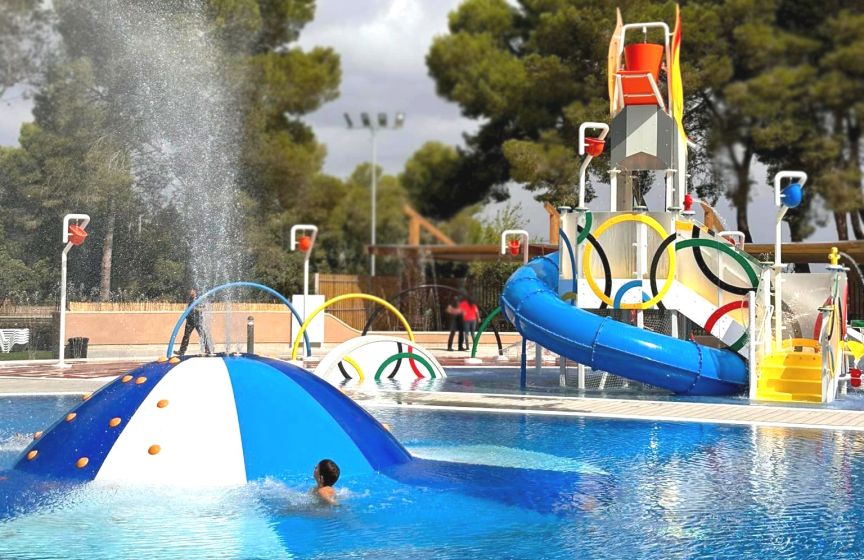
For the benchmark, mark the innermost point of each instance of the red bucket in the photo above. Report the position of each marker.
(514, 245)
(77, 235)
(644, 57)
(305, 242)
(594, 146)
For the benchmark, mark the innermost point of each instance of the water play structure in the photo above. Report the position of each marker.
(775, 334)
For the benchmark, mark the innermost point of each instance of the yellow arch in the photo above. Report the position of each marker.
(670, 250)
(355, 365)
(343, 297)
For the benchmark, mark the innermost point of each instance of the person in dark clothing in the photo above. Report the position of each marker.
(194, 322)
(455, 324)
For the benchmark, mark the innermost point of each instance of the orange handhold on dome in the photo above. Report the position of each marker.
(82, 462)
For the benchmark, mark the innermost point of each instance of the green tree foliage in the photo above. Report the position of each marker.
(429, 178)
(533, 71)
(88, 151)
(776, 81)
(24, 39)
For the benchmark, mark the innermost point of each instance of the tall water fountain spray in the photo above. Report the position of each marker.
(168, 77)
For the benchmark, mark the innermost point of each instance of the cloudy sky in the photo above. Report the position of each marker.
(383, 44)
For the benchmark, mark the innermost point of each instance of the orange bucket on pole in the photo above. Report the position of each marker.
(77, 235)
(644, 57)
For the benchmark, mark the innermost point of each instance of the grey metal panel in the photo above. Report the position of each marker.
(643, 137)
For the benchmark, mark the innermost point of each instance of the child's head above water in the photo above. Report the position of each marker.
(326, 472)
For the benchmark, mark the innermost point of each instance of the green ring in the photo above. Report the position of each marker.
(586, 229)
(400, 356)
(482, 328)
(699, 242)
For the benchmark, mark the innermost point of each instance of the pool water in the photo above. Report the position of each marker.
(489, 486)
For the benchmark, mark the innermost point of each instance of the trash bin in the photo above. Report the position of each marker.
(77, 347)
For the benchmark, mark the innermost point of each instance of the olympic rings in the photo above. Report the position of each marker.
(586, 261)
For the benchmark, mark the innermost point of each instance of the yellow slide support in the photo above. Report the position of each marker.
(343, 297)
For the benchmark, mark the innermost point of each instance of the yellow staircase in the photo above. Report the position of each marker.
(791, 375)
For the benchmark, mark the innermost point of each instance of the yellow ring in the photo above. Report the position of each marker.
(337, 299)
(670, 250)
(356, 366)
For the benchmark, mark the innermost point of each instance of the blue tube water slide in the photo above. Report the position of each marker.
(531, 302)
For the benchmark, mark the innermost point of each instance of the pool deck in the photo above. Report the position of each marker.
(86, 376)
(738, 414)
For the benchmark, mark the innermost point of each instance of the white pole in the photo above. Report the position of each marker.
(374, 194)
(62, 363)
(751, 348)
(306, 257)
(85, 219)
(778, 283)
(778, 262)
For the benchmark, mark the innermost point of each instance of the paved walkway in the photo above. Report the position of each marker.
(84, 376)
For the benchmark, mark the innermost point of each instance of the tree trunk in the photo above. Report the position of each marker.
(741, 197)
(107, 253)
(855, 218)
(842, 226)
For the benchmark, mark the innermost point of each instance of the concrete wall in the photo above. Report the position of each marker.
(146, 333)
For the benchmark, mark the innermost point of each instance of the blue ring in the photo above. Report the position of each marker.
(619, 295)
(570, 252)
(267, 289)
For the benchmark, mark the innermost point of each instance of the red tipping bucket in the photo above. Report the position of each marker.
(644, 57)
(594, 146)
(515, 245)
(305, 242)
(77, 235)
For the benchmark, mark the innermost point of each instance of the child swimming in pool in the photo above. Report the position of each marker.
(326, 474)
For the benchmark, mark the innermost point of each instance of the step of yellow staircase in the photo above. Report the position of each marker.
(791, 376)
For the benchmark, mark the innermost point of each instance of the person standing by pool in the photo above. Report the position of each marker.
(194, 322)
(470, 315)
(456, 324)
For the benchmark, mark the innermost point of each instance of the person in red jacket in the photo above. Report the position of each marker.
(470, 316)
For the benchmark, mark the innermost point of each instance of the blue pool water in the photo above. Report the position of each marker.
(490, 486)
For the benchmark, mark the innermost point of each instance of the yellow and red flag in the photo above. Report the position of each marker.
(676, 84)
(612, 60)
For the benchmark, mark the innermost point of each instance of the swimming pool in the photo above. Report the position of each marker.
(530, 486)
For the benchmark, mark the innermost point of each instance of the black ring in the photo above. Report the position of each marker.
(607, 270)
(342, 369)
(655, 263)
(703, 266)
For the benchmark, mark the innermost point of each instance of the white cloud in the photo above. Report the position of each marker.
(15, 110)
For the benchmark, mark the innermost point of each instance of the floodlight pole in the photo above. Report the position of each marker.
(375, 123)
(85, 219)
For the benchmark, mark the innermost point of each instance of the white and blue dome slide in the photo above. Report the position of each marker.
(217, 420)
